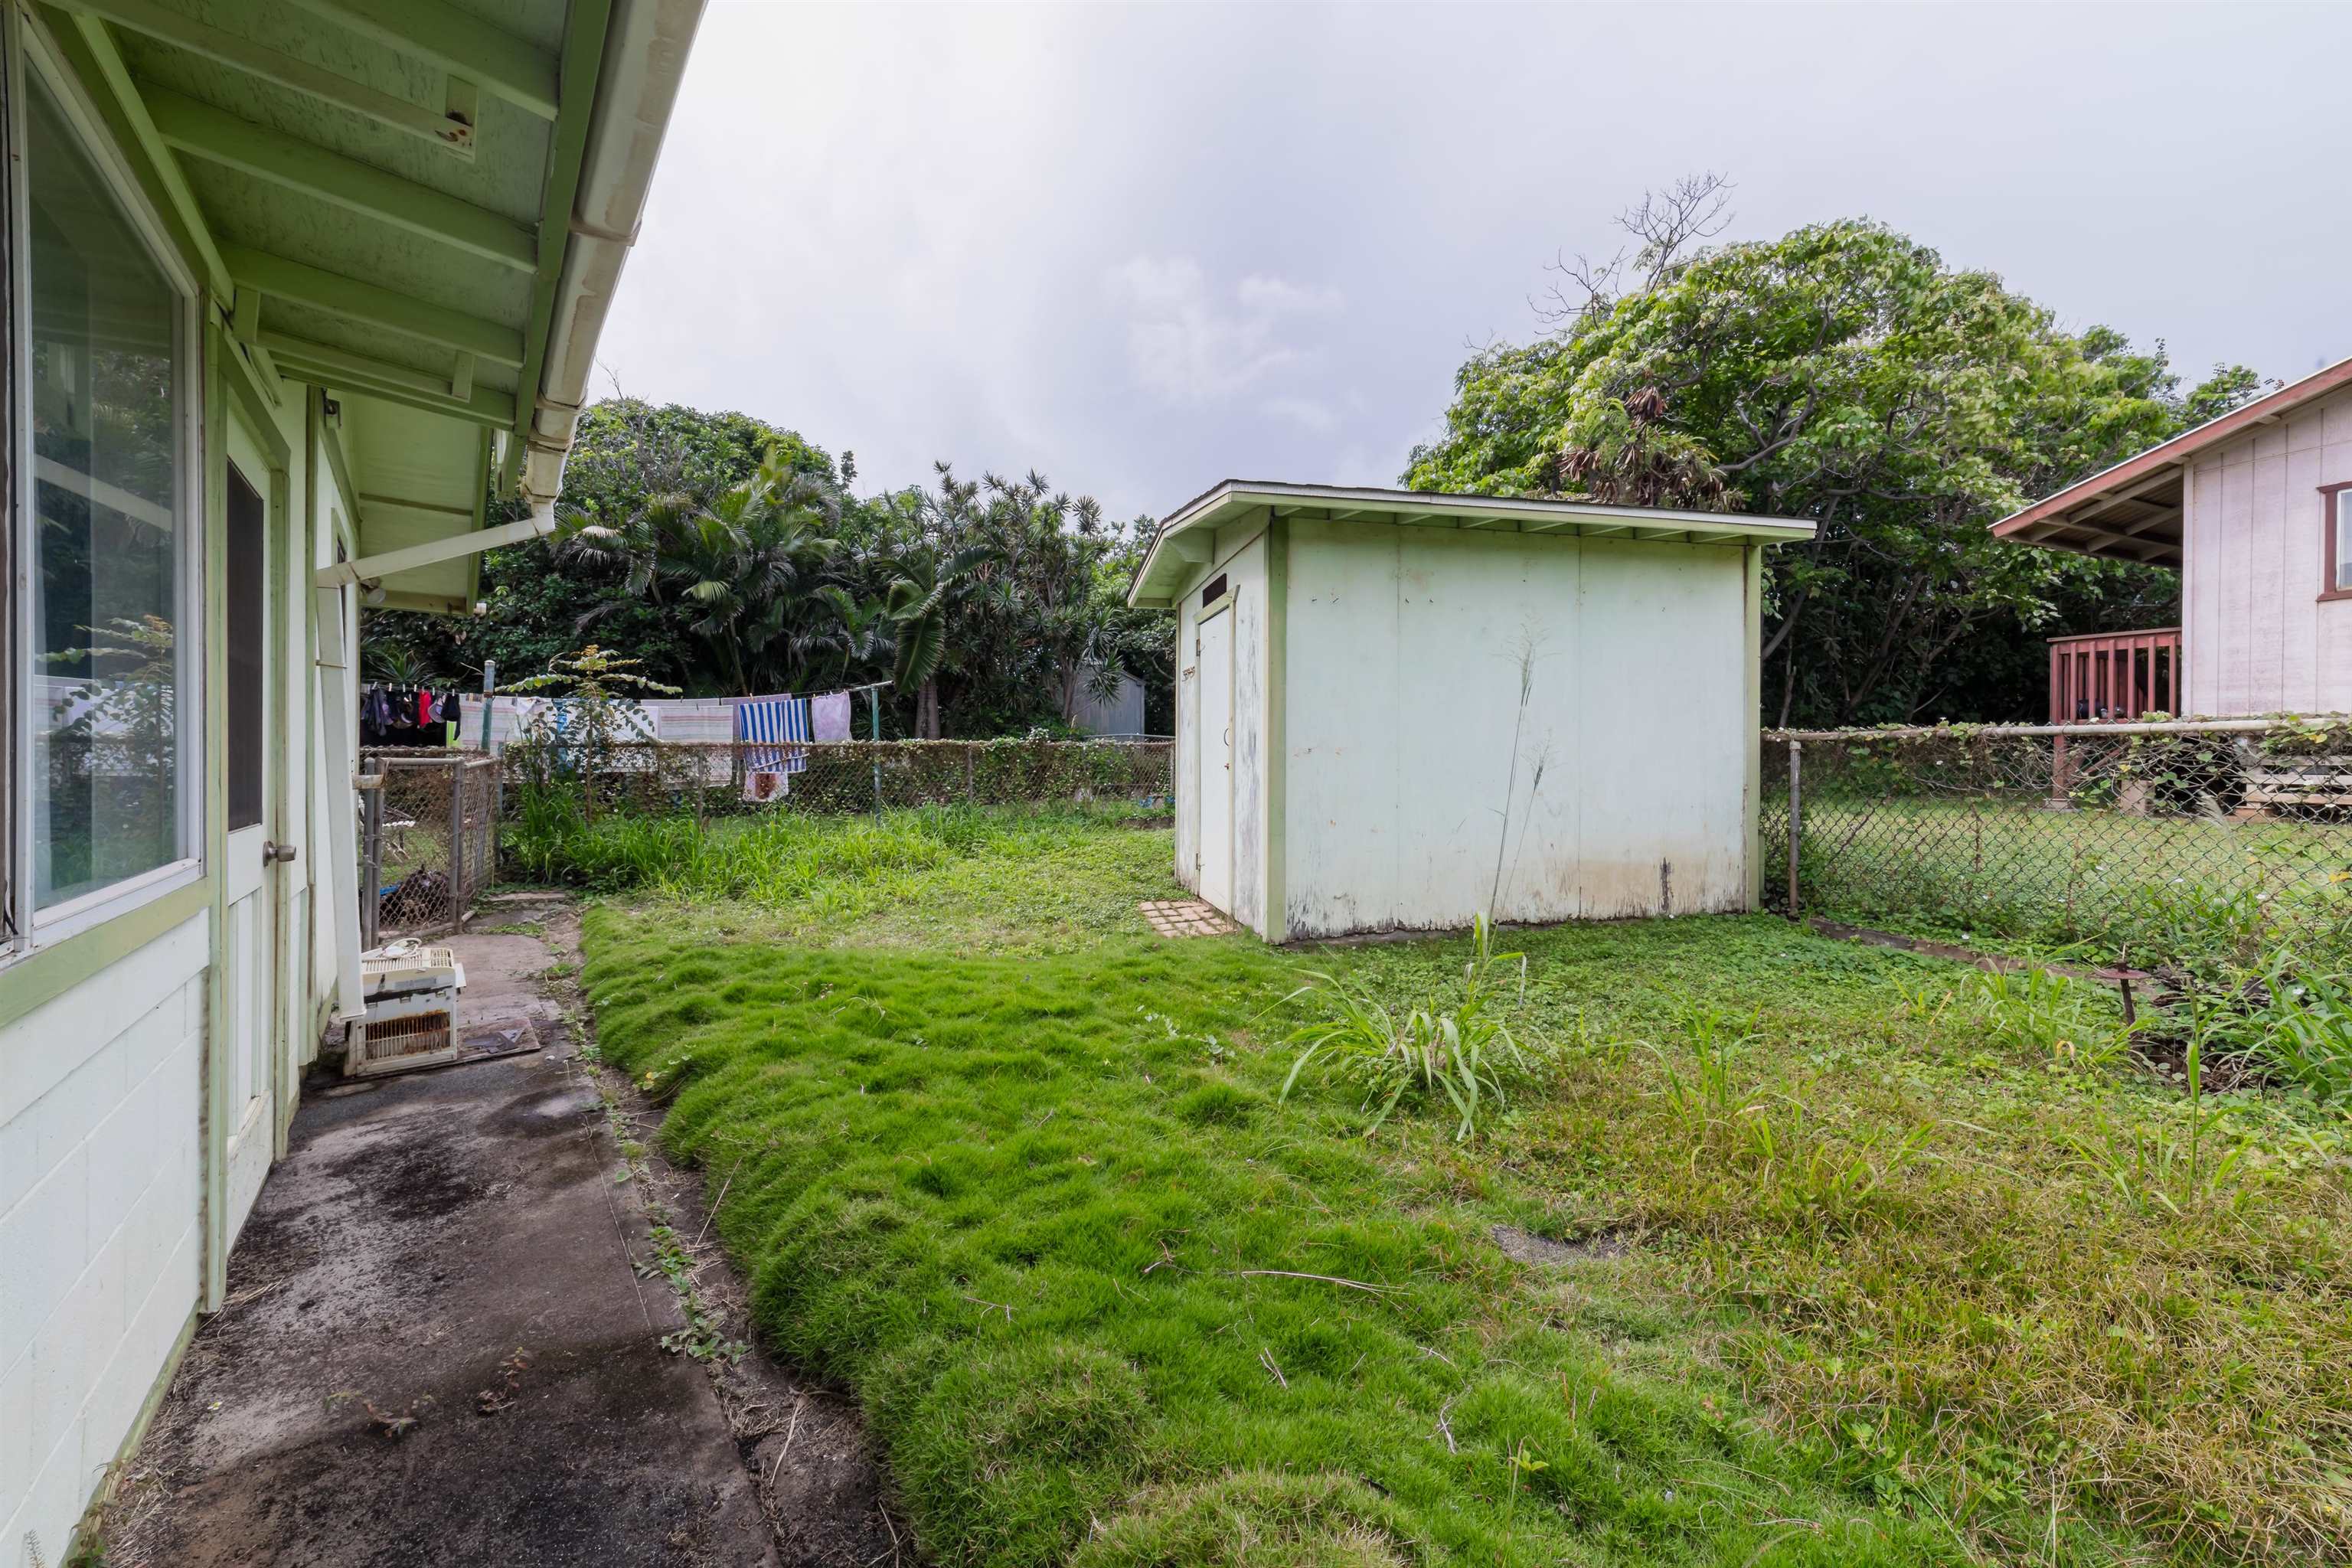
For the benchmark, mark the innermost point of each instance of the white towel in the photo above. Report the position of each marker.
(829, 717)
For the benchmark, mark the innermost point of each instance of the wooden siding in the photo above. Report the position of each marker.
(2256, 637)
(1404, 714)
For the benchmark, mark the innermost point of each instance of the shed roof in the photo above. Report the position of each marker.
(2132, 511)
(1183, 537)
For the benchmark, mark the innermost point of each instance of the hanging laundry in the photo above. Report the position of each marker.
(829, 717)
(759, 723)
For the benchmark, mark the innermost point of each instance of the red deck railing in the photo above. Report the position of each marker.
(2114, 677)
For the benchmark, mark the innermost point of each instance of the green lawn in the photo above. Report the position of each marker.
(1895, 1269)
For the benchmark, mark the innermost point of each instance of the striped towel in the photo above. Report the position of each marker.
(761, 720)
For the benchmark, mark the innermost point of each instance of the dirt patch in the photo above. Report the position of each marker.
(1991, 962)
(421, 1181)
(1543, 1252)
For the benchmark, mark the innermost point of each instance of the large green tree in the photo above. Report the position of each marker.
(740, 563)
(1842, 373)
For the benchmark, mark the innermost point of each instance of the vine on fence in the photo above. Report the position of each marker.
(711, 780)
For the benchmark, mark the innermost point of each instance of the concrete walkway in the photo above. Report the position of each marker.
(442, 1348)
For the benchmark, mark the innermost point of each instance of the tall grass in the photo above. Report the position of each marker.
(1464, 1050)
(774, 859)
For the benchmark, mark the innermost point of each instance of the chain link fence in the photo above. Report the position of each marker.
(2157, 839)
(733, 778)
(428, 840)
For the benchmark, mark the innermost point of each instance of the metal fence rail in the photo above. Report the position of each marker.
(737, 777)
(428, 840)
(2162, 838)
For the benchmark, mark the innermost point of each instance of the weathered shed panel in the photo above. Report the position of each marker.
(1419, 792)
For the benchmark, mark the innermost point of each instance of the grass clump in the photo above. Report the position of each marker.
(1468, 1051)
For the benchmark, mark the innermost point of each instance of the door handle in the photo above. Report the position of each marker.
(277, 854)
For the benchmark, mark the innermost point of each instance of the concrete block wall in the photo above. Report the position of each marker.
(100, 1185)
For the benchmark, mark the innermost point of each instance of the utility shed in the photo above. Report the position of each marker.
(1395, 709)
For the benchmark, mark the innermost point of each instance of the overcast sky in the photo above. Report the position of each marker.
(1142, 248)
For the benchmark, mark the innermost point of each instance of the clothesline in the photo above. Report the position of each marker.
(401, 713)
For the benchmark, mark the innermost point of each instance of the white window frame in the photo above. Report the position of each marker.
(29, 48)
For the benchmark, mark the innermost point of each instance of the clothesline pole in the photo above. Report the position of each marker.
(874, 701)
(489, 684)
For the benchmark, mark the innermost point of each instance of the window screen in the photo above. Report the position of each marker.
(248, 591)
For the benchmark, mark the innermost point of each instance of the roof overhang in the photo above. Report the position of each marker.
(1187, 538)
(2133, 512)
(419, 207)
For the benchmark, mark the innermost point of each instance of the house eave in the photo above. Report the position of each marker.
(2082, 517)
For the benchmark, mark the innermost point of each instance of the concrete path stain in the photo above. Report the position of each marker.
(443, 1347)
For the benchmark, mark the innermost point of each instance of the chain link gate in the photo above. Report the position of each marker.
(2164, 837)
(428, 841)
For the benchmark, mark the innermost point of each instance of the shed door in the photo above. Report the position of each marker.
(1214, 752)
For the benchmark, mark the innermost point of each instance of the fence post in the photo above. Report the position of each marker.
(874, 701)
(1795, 817)
(2062, 776)
(971, 792)
(489, 685)
(371, 888)
(456, 843)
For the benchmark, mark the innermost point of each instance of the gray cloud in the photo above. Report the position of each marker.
(1141, 248)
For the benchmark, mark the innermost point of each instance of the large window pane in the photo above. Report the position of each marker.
(104, 404)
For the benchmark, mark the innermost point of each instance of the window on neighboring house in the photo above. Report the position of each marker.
(2339, 514)
(101, 521)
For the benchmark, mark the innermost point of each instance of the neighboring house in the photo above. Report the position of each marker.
(2254, 511)
(1119, 716)
(1397, 709)
(291, 284)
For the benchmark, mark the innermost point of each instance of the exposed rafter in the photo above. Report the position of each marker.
(2132, 492)
(183, 31)
(340, 370)
(2143, 548)
(377, 307)
(203, 131)
(458, 41)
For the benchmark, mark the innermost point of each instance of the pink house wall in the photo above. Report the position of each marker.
(2255, 636)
